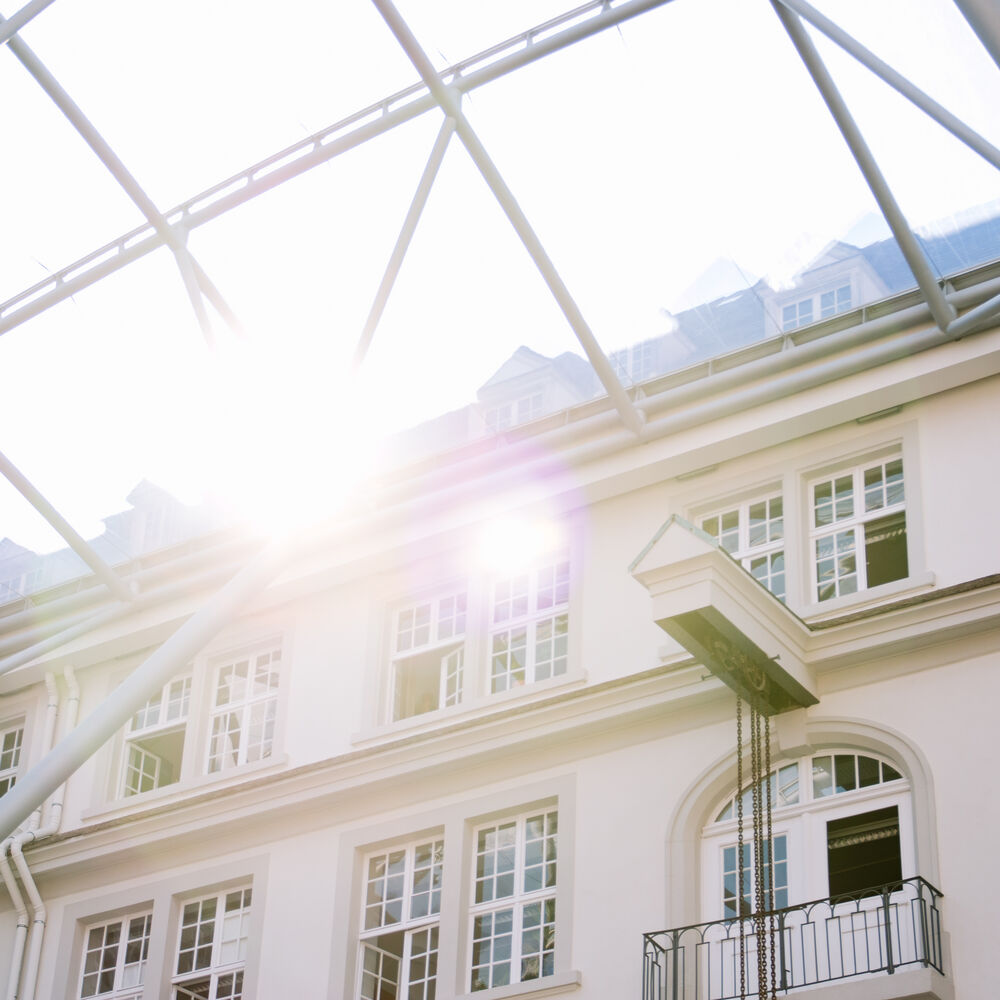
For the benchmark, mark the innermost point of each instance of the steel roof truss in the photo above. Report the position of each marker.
(76, 542)
(195, 281)
(405, 236)
(941, 309)
(449, 98)
(897, 81)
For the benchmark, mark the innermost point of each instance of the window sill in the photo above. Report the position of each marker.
(560, 982)
(876, 595)
(481, 706)
(182, 789)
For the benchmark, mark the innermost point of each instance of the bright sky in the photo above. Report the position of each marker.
(640, 156)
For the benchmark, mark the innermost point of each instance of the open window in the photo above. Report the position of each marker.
(863, 852)
(841, 828)
(859, 529)
(428, 658)
(154, 741)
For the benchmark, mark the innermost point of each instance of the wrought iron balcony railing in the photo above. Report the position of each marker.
(878, 930)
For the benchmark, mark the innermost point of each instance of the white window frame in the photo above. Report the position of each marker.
(528, 406)
(635, 363)
(417, 963)
(811, 308)
(532, 909)
(11, 750)
(763, 556)
(836, 305)
(446, 624)
(847, 531)
(252, 711)
(121, 968)
(543, 620)
(803, 823)
(157, 717)
(227, 953)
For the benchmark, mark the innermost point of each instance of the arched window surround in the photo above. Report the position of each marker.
(795, 735)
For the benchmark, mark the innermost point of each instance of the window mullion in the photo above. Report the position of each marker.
(860, 556)
(122, 949)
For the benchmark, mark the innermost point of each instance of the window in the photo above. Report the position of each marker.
(212, 947)
(428, 655)
(803, 312)
(797, 314)
(244, 709)
(841, 826)
(858, 531)
(399, 937)
(528, 406)
(11, 740)
(753, 534)
(529, 626)
(114, 958)
(731, 877)
(514, 901)
(635, 363)
(154, 741)
(836, 301)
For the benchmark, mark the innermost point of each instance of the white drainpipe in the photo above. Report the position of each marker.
(21, 930)
(33, 833)
(6, 848)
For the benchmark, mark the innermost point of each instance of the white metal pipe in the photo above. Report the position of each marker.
(557, 439)
(61, 606)
(21, 925)
(210, 576)
(721, 395)
(897, 81)
(405, 237)
(119, 171)
(22, 484)
(160, 667)
(13, 24)
(911, 249)
(984, 20)
(52, 822)
(7, 851)
(982, 313)
(317, 149)
(450, 101)
(112, 713)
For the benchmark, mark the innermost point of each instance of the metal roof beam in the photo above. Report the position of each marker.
(403, 240)
(897, 81)
(13, 24)
(941, 309)
(450, 101)
(982, 18)
(176, 241)
(974, 318)
(116, 709)
(81, 547)
(376, 119)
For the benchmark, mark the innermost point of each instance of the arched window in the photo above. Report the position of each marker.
(841, 824)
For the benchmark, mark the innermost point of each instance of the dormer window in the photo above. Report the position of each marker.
(809, 308)
(836, 301)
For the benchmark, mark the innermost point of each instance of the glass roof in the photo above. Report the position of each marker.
(680, 169)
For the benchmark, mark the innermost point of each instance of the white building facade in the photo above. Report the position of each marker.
(458, 749)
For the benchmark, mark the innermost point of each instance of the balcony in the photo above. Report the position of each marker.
(883, 930)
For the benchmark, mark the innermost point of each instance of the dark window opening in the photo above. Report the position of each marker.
(885, 549)
(418, 683)
(863, 853)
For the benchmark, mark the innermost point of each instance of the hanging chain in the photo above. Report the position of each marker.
(739, 842)
(758, 836)
(770, 857)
